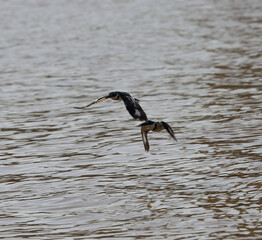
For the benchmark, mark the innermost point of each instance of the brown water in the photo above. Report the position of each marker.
(84, 174)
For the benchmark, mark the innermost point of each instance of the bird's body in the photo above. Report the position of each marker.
(132, 104)
(155, 127)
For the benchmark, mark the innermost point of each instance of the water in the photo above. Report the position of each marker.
(83, 174)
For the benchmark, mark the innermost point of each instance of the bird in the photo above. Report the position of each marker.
(155, 127)
(132, 104)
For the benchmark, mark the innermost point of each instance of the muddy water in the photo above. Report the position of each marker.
(83, 174)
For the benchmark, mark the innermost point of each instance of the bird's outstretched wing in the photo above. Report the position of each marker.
(133, 107)
(145, 128)
(144, 138)
(99, 100)
(169, 130)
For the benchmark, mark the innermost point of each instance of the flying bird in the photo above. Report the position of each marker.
(155, 127)
(132, 104)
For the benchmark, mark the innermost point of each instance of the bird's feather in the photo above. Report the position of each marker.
(133, 106)
(99, 100)
(145, 140)
(169, 130)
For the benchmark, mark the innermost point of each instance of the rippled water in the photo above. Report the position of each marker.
(84, 174)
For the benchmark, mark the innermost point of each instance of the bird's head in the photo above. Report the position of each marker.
(113, 95)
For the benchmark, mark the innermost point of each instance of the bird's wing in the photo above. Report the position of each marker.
(169, 130)
(99, 100)
(133, 106)
(144, 138)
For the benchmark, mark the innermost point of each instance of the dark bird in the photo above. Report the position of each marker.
(155, 127)
(132, 104)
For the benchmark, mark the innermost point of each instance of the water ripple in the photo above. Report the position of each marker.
(83, 174)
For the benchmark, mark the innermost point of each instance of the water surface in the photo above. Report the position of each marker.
(84, 174)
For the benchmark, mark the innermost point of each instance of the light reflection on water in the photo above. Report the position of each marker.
(70, 174)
